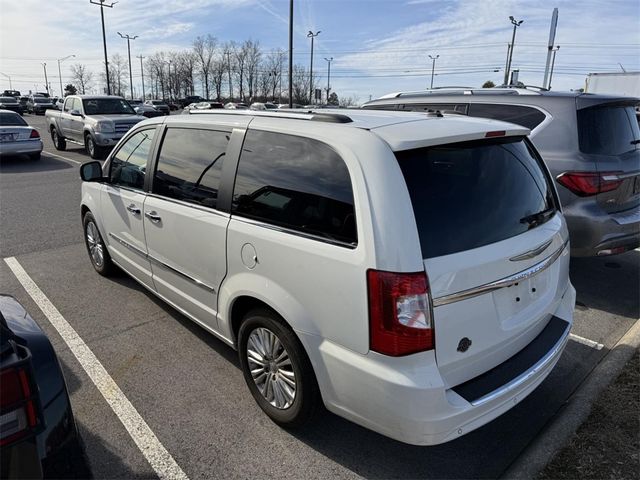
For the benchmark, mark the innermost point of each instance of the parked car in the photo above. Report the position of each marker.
(236, 106)
(143, 109)
(183, 102)
(11, 103)
(11, 93)
(23, 102)
(207, 105)
(59, 103)
(591, 144)
(409, 271)
(38, 432)
(159, 105)
(286, 105)
(17, 137)
(96, 122)
(173, 106)
(37, 104)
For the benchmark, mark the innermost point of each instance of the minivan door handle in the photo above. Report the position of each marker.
(153, 216)
(133, 209)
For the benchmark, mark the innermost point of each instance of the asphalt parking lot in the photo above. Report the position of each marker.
(188, 387)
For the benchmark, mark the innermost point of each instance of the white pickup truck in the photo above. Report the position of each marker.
(95, 121)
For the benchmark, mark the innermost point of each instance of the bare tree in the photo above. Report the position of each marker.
(204, 48)
(82, 76)
(228, 54)
(349, 101)
(253, 57)
(157, 73)
(218, 72)
(300, 85)
(240, 54)
(118, 74)
(272, 67)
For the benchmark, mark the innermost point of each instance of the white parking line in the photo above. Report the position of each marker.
(155, 453)
(61, 157)
(586, 341)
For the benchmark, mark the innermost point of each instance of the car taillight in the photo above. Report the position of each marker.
(399, 313)
(34, 134)
(586, 184)
(18, 415)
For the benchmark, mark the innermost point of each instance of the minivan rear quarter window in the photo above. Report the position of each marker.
(297, 183)
(471, 194)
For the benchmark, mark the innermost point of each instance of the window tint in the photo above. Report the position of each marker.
(9, 119)
(190, 165)
(607, 130)
(297, 183)
(472, 194)
(129, 164)
(528, 117)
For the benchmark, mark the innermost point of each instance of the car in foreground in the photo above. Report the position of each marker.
(96, 122)
(11, 103)
(17, 137)
(38, 105)
(591, 144)
(38, 433)
(159, 105)
(408, 271)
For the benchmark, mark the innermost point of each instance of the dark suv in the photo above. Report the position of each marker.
(591, 144)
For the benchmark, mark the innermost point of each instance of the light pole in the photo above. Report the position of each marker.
(312, 36)
(328, 60)
(128, 38)
(553, 62)
(169, 79)
(60, 73)
(46, 80)
(433, 67)
(104, 38)
(516, 24)
(290, 73)
(5, 75)
(142, 74)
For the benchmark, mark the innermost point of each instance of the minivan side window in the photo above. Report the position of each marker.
(528, 117)
(296, 183)
(190, 164)
(129, 164)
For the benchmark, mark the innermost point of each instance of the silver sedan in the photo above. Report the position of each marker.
(18, 138)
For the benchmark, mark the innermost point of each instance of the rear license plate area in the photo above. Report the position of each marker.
(6, 137)
(511, 301)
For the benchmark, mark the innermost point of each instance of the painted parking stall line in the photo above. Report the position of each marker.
(55, 155)
(586, 341)
(155, 453)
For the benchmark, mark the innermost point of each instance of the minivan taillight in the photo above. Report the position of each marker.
(18, 415)
(586, 184)
(399, 313)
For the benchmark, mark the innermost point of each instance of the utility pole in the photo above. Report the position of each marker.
(229, 71)
(104, 38)
(280, 54)
(142, 74)
(290, 53)
(5, 75)
(516, 24)
(553, 62)
(60, 73)
(329, 60)
(128, 38)
(433, 67)
(312, 36)
(169, 79)
(46, 81)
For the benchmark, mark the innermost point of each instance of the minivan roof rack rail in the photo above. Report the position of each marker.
(311, 115)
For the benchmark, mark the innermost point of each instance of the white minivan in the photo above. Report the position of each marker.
(409, 271)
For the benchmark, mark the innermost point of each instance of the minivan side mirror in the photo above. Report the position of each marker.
(91, 172)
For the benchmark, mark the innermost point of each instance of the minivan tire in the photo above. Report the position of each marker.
(97, 250)
(307, 400)
(58, 142)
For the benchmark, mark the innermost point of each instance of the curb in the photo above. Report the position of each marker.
(568, 419)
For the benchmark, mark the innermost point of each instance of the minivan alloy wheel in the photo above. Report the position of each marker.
(94, 244)
(271, 368)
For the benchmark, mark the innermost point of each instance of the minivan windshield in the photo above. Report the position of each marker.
(106, 106)
(608, 130)
(471, 194)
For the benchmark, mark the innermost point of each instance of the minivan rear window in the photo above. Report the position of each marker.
(471, 194)
(608, 130)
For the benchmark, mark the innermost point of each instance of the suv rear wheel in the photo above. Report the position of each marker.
(277, 369)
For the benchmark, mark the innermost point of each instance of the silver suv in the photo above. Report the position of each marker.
(589, 142)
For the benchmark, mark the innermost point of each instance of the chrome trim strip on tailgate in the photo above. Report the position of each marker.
(502, 283)
(135, 249)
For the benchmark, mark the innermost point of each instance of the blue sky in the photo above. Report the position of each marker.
(378, 46)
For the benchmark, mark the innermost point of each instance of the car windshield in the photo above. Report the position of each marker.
(10, 119)
(8, 100)
(106, 106)
(41, 100)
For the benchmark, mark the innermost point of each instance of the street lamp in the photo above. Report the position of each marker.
(329, 60)
(104, 38)
(311, 35)
(46, 80)
(60, 73)
(553, 62)
(128, 38)
(5, 75)
(516, 24)
(433, 67)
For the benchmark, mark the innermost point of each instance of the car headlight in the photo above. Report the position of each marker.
(105, 127)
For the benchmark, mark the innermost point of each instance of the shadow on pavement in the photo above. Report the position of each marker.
(23, 164)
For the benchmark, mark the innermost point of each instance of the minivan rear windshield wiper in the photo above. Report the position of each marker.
(538, 218)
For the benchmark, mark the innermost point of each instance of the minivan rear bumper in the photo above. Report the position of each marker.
(405, 398)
